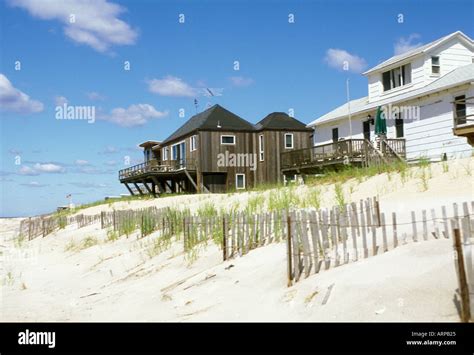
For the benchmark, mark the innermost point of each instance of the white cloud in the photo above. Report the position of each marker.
(48, 168)
(81, 162)
(403, 45)
(96, 22)
(34, 184)
(26, 170)
(241, 81)
(109, 150)
(88, 185)
(171, 86)
(134, 115)
(12, 99)
(95, 96)
(60, 100)
(338, 58)
(39, 168)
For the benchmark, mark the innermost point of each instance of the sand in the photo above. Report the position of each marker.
(47, 280)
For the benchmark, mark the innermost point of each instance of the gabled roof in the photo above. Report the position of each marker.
(148, 144)
(280, 120)
(215, 117)
(422, 49)
(458, 76)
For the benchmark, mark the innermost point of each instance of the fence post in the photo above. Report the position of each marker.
(413, 222)
(289, 252)
(102, 220)
(464, 291)
(42, 223)
(377, 210)
(184, 233)
(394, 223)
(29, 228)
(113, 221)
(224, 239)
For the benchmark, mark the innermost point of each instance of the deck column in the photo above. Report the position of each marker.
(138, 188)
(129, 189)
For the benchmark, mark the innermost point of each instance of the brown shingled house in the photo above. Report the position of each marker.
(217, 151)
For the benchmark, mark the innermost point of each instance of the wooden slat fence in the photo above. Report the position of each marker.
(332, 237)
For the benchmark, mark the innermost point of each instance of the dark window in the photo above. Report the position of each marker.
(386, 81)
(289, 141)
(240, 181)
(399, 127)
(396, 77)
(227, 139)
(435, 67)
(460, 109)
(366, 128)
(335, 135)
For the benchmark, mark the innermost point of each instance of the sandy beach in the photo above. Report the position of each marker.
(52, 279)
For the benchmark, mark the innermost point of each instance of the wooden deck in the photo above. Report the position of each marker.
(156, 177)
(154, 167)
(463, 123)
(351, 151)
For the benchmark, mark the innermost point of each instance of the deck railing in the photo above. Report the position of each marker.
(463, 120)
(155, 166)
(348, 149)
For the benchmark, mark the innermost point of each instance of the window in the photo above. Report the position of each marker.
(192, 146)
(165, 153)
(261, 148)
(288, 140)
(396, 77)
(335, 135)
(399, 126)
(229, 140)
(178, 151)
(366, 129)
(435, 67)
(240, 181)
(460, 109)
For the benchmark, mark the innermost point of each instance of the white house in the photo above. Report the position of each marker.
(424, 91)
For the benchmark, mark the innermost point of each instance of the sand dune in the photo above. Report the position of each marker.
(53, 279)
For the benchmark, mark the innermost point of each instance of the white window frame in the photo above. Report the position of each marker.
(178, 143)
(192, 144)
(436, 65)
(292, 140)
(236, 182)
(261, 148)
(165, 153)
(227, 135)
(402, 79)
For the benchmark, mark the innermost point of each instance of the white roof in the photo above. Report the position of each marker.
(422, 49)
(456, 77)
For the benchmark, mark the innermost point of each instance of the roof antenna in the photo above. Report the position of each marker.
(210, 92)
(196, 105)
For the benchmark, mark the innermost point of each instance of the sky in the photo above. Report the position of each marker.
(140, 65)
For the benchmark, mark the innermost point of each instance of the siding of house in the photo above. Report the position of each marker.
(430, 136)
(210, 147)
(323, 133)
(274, 144)
(189, 155)
(453, 54)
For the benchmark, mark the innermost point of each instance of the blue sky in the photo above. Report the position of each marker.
(282, 66)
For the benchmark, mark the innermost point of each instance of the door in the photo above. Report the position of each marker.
(179, 154)
(366, 129)
(335, 135)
